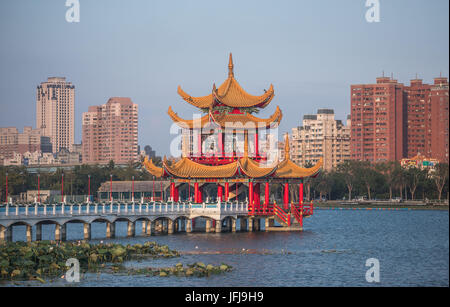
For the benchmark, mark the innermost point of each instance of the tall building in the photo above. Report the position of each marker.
(378, 121)
(55, 102)
(438, 100)
(12, 141)
(418, 118)
(391, 121)
(321, 136)
(110, 132)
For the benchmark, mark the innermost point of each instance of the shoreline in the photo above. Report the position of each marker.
(379, 206)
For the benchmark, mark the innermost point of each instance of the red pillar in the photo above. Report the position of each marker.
(220, 192)
(250, 196)
(196, 193)
(227, 191)
(266, 196)
(300, 194)
(200, 195)
(286, 196)
(256, 197)
(172, 191)
(176, 194)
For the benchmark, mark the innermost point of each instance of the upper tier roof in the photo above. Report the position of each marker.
(228, 120)
(230, 93)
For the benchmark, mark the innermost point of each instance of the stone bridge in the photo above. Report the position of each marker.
(156, 217)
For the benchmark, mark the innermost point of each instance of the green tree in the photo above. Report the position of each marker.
(440, 177)
(415, 176)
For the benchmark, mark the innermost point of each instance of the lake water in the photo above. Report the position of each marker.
(411, 246)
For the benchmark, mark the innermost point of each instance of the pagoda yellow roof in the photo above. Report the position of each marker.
(189, 123)
(187, 168)
(152, 168)
(227, 120)
(229, 93)
(253, 169)
(288, 169)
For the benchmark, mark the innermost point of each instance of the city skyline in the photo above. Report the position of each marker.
(304, 55)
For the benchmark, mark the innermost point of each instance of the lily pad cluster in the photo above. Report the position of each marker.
(46, 259)
(198, 269)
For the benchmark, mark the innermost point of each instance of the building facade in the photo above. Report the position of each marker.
(391, 121)
(13, 143)
(55, 103)
(378, 116)
(321, 136)
(110, 132)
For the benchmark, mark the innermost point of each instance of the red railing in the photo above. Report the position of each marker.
(261, 210)
(283, 216)
(298, 214)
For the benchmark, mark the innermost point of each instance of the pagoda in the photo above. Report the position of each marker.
(222, 147)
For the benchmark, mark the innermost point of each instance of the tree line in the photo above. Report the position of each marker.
(384, 180)
(75, 180)
(351, 179)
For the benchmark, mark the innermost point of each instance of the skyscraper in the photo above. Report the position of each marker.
(110, 132)
(55, 103)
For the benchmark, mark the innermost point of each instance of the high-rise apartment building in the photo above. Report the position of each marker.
(321, 136)
(438, 99)
(55, 103)
(110, 132)
(378, 121)
(391, 121)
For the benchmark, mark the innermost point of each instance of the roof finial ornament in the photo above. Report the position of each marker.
(230, 66)
(287, 149)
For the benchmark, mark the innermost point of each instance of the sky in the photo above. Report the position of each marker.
(311, 51)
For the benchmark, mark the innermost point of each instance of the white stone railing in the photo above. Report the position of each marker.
(124, 209)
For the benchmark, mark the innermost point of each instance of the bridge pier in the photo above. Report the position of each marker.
(131, 229)
(144, 227)
(110, 230)
(250, 224)
(87, 231)
(218, 226)
(233, 225)
(149, 228)
(208, 225)
(5, 234)
(189, 225)
(60, 232)
(170, 226)
(269, 223)
(29, 233)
